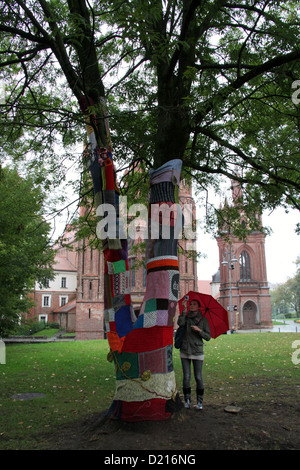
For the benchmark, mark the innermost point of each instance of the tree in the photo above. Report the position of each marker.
(294, 285)
(206, 82)
(281, 298)
(288, 294)
(25, 252)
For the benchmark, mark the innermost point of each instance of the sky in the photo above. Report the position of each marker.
(282, 248)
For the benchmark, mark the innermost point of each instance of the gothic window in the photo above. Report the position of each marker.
(249, 306)
(245, 270)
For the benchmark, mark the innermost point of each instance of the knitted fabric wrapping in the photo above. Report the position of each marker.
(140, 347)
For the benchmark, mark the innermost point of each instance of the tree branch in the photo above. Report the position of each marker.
(249, 160)
(247, 77)
(188, 15)
(19, 32)
(60, 52)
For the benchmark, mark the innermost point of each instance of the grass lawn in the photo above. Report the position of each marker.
(77, 380)
(49, 332)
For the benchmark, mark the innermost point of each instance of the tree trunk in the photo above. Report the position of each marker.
(173, 129)
(141, 347)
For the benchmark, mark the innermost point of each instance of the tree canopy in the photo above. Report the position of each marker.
(214, 83)
(287, 296)
(26, 255)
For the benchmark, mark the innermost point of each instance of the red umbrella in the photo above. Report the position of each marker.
(211, 309)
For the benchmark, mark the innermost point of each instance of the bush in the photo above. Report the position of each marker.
(52, 325)
(28, 328)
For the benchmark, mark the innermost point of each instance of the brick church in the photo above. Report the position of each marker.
(75, 299)
(244, 289)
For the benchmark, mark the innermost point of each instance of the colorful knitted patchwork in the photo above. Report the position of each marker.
(136, 365)
(141, 347)
(141, 340)
(136, 411)
(158, 361)
(162, 192)
(152, 386)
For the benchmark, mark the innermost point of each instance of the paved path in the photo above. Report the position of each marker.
(34, 339)
(289, 327)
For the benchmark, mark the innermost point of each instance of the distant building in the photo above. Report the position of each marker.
(215, 285)
(55, 301)
(90, 293)
(249, 286)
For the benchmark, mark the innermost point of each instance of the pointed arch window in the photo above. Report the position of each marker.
(245, 268)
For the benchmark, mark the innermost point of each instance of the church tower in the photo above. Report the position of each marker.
(244, 289)
(187, 263)
(89, 298)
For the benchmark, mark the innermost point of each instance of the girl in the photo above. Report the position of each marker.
(197, 329)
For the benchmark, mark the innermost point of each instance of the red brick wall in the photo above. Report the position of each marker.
(55, 299)
(255, 291)
(89, 320)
